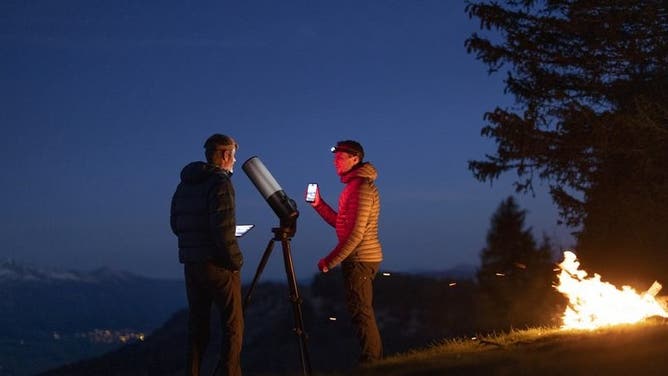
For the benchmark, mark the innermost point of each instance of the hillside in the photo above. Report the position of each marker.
(412, 311)
(623, 350)
(427, 329)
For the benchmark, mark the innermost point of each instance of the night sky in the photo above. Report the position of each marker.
(103, 103)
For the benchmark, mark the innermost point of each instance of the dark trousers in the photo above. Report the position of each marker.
(207, 283)
(358, 279)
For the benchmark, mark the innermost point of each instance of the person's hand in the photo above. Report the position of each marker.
(317, 199)
(322, 266)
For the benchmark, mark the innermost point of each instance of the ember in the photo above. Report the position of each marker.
(593, 303)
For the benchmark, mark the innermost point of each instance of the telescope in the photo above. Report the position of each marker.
(284, 207)
(286, 210)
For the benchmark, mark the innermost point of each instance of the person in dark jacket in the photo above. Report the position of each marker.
(358, 249)
(203, 219)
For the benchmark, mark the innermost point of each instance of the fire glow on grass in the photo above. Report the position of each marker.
(593, 304)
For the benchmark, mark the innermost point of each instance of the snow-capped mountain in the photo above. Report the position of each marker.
(43, 311)
(12, 271)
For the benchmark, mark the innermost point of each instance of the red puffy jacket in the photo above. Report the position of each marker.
(356, 222)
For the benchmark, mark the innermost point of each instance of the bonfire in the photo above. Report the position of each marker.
(593, 303)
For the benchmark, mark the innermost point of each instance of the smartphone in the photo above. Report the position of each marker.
(310, 192)
(240, 230)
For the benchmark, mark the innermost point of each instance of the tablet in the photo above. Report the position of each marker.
(242, 229)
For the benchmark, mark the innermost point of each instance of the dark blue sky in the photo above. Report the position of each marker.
(103, 103)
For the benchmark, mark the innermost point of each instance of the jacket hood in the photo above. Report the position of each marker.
(364, 170)
(196, 172)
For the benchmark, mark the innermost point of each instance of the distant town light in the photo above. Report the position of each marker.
(500, 275)
(332, 318)
(452, 284)
(386, 274)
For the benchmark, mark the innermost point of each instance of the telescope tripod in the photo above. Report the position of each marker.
(284, 235)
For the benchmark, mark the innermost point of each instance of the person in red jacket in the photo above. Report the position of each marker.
(358, 250)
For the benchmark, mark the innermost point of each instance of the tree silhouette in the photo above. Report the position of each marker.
(590, 79)
(515, 276)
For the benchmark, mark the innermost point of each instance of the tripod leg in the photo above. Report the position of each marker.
(296, 305)
(259, 270)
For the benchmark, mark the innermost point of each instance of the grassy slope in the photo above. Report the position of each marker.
(623, 350)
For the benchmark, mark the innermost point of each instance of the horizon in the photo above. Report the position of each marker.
(456, 270)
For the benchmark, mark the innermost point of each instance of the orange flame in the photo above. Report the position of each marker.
(593, 303)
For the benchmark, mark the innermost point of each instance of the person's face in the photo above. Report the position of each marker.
(343, 162)
(228, 159)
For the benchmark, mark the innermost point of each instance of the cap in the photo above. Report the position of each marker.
(350, 147)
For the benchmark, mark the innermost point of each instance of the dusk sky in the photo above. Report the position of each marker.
(103, 103)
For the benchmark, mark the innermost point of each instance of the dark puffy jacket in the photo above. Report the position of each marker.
(203, 218)
(356, 221)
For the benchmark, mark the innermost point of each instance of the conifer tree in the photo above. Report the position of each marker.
(515, 277)
(590, 80)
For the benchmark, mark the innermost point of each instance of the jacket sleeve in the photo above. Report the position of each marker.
(172, 215)
(222, 223)
(357, 206)
(326, 212)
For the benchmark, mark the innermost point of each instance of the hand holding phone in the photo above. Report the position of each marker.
(311, 191)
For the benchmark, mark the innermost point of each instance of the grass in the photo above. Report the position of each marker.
(620, 350)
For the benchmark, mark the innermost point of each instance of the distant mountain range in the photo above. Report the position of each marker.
(83, 323)
(461, 271)
(51, 317)
(413, 311)
(12, 271)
